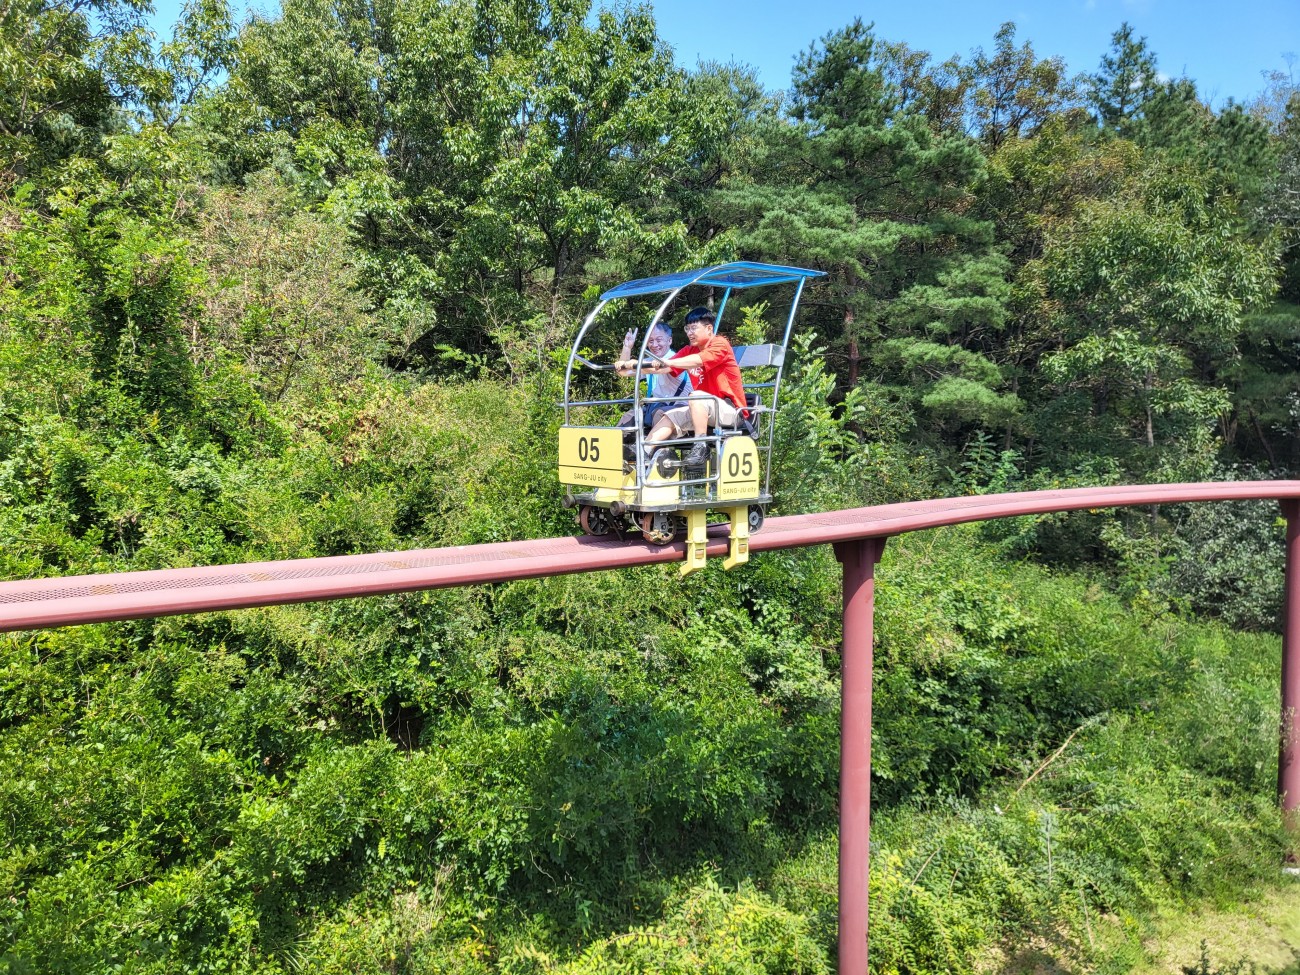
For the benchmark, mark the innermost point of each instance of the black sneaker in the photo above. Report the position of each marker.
(698, 456)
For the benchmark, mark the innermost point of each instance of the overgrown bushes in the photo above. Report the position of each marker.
(618, 771)
(614, 772)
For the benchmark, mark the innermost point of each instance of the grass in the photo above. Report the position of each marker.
(1260, 936)
(1264, 932)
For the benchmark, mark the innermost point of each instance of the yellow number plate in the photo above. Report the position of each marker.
(591, 457)
(739, 473)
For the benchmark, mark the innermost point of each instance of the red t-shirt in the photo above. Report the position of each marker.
(718, 374)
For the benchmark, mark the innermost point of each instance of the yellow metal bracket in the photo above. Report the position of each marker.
(697, 540)
(739, 551)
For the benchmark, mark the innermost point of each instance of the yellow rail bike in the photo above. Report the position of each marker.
(623, 483)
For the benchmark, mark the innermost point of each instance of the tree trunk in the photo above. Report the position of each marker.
(1263, 440)
(853, 347)
(1228, 424)
(1151, 430)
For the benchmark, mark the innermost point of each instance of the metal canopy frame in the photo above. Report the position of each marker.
(736, 274)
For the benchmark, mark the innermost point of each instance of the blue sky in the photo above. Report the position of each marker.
(1224, 52)
(1222, 46)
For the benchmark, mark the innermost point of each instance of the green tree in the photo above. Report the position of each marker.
(185, 69)
(600, 137)
(75, 71)
(1145, 295)
(878, 197)
(731, 118)
(1279, 205)
(1232, 143)
(1126, 80)
(1265, 386)
(1175, 119)
(551, 137)
(1012, 93)
(55, 99)
(1267, 390)
(937, 92)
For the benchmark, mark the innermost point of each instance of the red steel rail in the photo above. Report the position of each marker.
(68, 600)
(859, 537)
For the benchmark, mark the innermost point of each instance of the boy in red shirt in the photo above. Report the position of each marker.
(714, 373)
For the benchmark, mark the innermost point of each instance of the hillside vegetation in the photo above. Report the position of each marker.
(297, 287)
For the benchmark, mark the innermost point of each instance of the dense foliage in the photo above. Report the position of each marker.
(295, 287)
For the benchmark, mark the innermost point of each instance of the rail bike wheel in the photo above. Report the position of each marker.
(657, 527)
(756, 516)
(594, 521)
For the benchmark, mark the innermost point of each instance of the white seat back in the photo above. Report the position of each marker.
(759, 355)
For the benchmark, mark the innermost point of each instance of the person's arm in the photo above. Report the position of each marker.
(629, 337)
(627, 367)
(678, 363)
(685, 363)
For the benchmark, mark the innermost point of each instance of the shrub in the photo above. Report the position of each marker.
(708, 930)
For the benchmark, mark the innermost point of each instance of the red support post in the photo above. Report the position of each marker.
(859, 559)
(1288, 760)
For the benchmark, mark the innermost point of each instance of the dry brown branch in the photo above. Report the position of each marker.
(1052, 758)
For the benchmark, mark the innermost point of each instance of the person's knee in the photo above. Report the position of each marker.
(664, 427)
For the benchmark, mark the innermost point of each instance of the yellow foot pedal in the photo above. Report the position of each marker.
(697, 540)
(738, 553)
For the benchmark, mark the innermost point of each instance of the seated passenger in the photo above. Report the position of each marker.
(660, 344)
(714, 373)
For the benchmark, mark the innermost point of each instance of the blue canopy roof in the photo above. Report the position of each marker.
(738, 274)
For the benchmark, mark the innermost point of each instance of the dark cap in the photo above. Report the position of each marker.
(700, 314)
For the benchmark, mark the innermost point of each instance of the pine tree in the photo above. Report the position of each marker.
(1126, 81)
(871, 191)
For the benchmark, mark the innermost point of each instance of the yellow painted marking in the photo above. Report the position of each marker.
(586, 477)
(591, 457)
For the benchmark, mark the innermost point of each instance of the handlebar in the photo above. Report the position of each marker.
(652, 361)
(591, 365)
